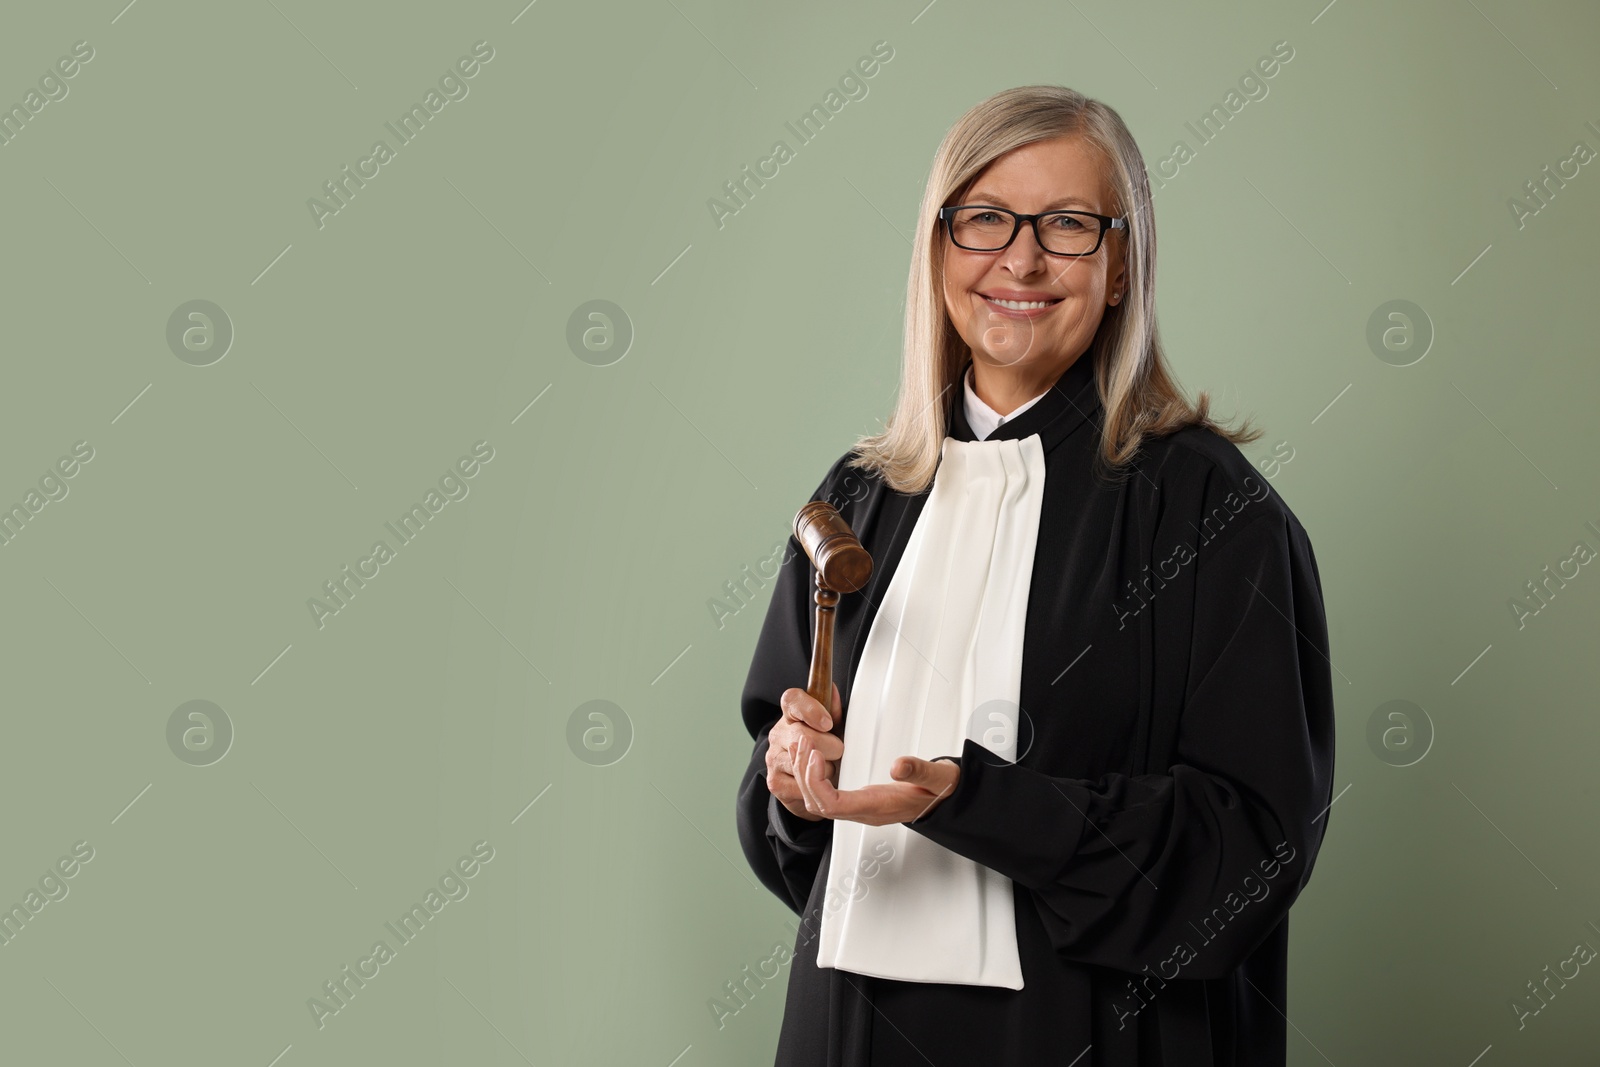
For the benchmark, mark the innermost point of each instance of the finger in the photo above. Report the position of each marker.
(822, 796)
(800, 706)
(786, 732)
(937, 778)
(830, 745)
(780, 757)
(934, 781)
(812, 777)
(914, 771)
(802, 777)
(789, 796)
(785, 788)
(786, 703)
(780, 748)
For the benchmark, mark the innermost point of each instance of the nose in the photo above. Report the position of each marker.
(1024, 256)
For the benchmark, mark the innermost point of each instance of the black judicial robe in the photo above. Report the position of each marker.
(1166, 809)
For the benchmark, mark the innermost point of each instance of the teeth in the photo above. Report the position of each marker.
(1021, 305)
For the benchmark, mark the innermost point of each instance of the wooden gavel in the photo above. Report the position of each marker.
(843, 565)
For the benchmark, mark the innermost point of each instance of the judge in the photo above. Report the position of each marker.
(1087, 751)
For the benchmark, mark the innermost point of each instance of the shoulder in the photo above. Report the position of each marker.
(845, 485)
(1194, 451)
(1197, 476)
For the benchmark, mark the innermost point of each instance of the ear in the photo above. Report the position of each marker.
(1117, 280)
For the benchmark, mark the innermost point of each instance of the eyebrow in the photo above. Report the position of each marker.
(1000, 201)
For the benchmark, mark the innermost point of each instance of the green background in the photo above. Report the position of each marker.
(369, 354)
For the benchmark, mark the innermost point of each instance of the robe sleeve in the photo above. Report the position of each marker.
(1124, 869)
(784, 850)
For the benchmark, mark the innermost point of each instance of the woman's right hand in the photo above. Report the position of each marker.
(803, 716)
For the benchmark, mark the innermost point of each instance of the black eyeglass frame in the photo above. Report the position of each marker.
(1107, 222)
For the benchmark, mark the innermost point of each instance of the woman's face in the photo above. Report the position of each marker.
(1060, 173)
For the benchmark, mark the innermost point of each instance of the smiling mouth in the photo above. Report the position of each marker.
(1021, 305)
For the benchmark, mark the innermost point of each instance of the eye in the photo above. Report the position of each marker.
(1065, 222)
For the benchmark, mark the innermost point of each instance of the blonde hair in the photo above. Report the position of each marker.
(1137, 388)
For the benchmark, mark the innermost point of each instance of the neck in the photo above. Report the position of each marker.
(1005, 389)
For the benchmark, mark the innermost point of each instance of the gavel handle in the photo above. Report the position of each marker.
(820, 684)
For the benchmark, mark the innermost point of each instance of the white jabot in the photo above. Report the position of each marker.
(984, 419)
(945, 642)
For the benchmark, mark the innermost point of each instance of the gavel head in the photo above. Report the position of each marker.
(842, 563)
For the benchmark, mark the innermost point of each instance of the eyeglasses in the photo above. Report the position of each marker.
(981, 228)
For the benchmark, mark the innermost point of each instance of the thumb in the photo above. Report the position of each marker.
(928, 774)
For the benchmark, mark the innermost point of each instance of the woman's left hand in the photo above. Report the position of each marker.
(918, 787)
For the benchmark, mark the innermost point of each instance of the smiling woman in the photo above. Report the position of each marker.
(1017, 332)
(1068, 792)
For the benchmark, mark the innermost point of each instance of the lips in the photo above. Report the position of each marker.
(1022, 305)
(1019, 303)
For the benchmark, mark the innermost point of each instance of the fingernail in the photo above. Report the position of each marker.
(827, 722)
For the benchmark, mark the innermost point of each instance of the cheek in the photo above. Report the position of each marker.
(957, 313)
(960, 279)
(960, 271)
(954, 293)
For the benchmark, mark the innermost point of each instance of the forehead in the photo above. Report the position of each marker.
(1044, 174)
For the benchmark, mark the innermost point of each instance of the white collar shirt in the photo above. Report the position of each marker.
(983, 419)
